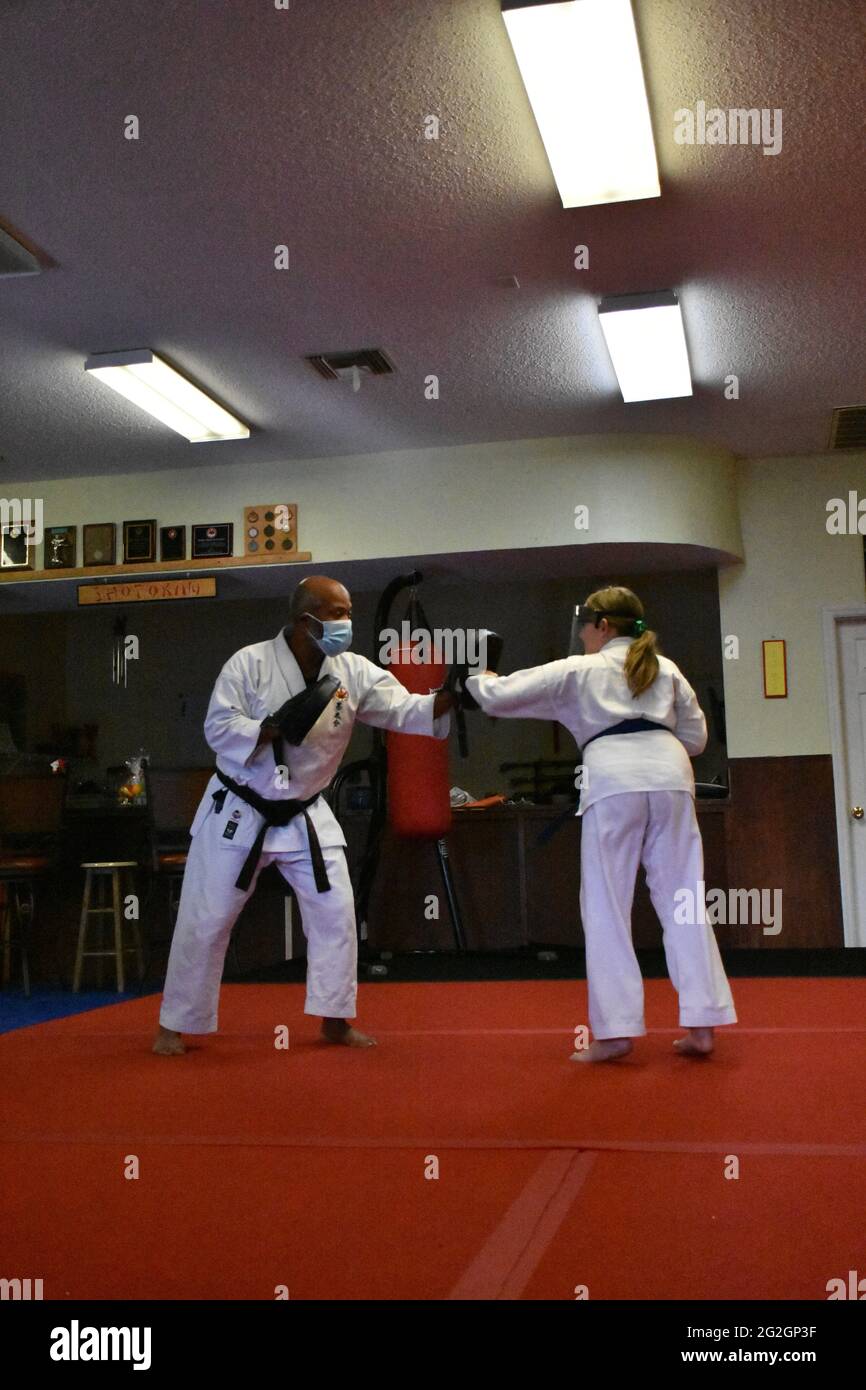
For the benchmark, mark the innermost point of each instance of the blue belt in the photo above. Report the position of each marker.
(626, 726)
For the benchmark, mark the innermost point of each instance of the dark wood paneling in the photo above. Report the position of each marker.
(782, 834)
(176, 795)
(483, 850)
(777, 831)
(552, 878)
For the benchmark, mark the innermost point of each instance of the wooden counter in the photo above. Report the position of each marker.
(777, 830)
(512, 890)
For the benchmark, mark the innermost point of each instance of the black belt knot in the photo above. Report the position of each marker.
(276, 813)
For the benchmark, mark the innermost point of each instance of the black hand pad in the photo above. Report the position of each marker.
(490, 654)
(297, 716)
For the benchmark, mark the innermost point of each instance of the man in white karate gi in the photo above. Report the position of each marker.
(231, 840)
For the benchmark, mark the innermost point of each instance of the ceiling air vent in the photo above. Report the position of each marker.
(848, 430)
(338, 365)
(15, 259)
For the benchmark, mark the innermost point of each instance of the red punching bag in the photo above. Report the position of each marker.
(419, 796)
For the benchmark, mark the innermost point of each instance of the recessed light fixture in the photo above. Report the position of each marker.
(581, 67)
(647, 345)
(152, 384)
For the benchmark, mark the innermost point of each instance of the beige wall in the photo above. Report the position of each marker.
(793, 569)
(523, 494)
(436, 501)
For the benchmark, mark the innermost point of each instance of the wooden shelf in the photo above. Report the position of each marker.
(162, 567)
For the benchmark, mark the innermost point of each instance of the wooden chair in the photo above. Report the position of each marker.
(30, 814)
(173, 796)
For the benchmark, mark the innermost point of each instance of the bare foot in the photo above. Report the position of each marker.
(603, 1050)
(168, 1043)
(337, 1030)
(698, 1042)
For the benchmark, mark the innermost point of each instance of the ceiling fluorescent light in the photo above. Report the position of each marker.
(152, 384)
(647, 345)
(581, 68)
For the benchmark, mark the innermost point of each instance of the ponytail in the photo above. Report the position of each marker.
(641, 663)
(624, 611)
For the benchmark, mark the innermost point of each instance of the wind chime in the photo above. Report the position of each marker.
(118, 653)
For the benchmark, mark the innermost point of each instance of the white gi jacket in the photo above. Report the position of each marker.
(589, 693)
(254, 683)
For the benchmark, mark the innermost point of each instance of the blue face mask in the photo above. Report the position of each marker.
(336, 635)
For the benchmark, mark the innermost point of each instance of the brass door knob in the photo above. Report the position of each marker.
(857, 812)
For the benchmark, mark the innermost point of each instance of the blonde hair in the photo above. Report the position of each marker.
(621, 607)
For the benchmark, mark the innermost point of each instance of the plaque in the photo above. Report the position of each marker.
(271, 530)
(172, 542)
(99, 543)
(212, 542)
(60, 547)
(139, 542)
(16, 548)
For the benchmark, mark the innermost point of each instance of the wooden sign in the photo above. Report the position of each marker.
(146, 590)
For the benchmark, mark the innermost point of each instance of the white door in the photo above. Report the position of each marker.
(845, 645)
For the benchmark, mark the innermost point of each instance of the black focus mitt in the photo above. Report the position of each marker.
(491, 651)
(297, 716)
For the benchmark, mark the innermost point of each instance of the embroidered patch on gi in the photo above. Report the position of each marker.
(342, 694)
(229, 832)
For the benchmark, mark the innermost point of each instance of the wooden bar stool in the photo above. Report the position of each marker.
(103, 880)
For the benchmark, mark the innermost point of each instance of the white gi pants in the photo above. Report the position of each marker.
(210, 904)
(660, 830)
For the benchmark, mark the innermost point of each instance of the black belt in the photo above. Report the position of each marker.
(274, 813)
(626, 726)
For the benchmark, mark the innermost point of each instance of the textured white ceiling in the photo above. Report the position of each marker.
(305, 127)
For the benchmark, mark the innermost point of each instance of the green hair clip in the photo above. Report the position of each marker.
(639, 626)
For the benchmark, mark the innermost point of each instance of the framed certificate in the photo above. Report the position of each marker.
(99, 543)
(139, 542)
(212, 541)
(16, 548)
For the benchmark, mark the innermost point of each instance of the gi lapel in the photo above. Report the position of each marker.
(288, 667)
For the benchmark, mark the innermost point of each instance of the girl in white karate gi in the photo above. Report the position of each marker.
(636, 806)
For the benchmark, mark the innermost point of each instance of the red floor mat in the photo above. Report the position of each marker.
(306, 1167)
